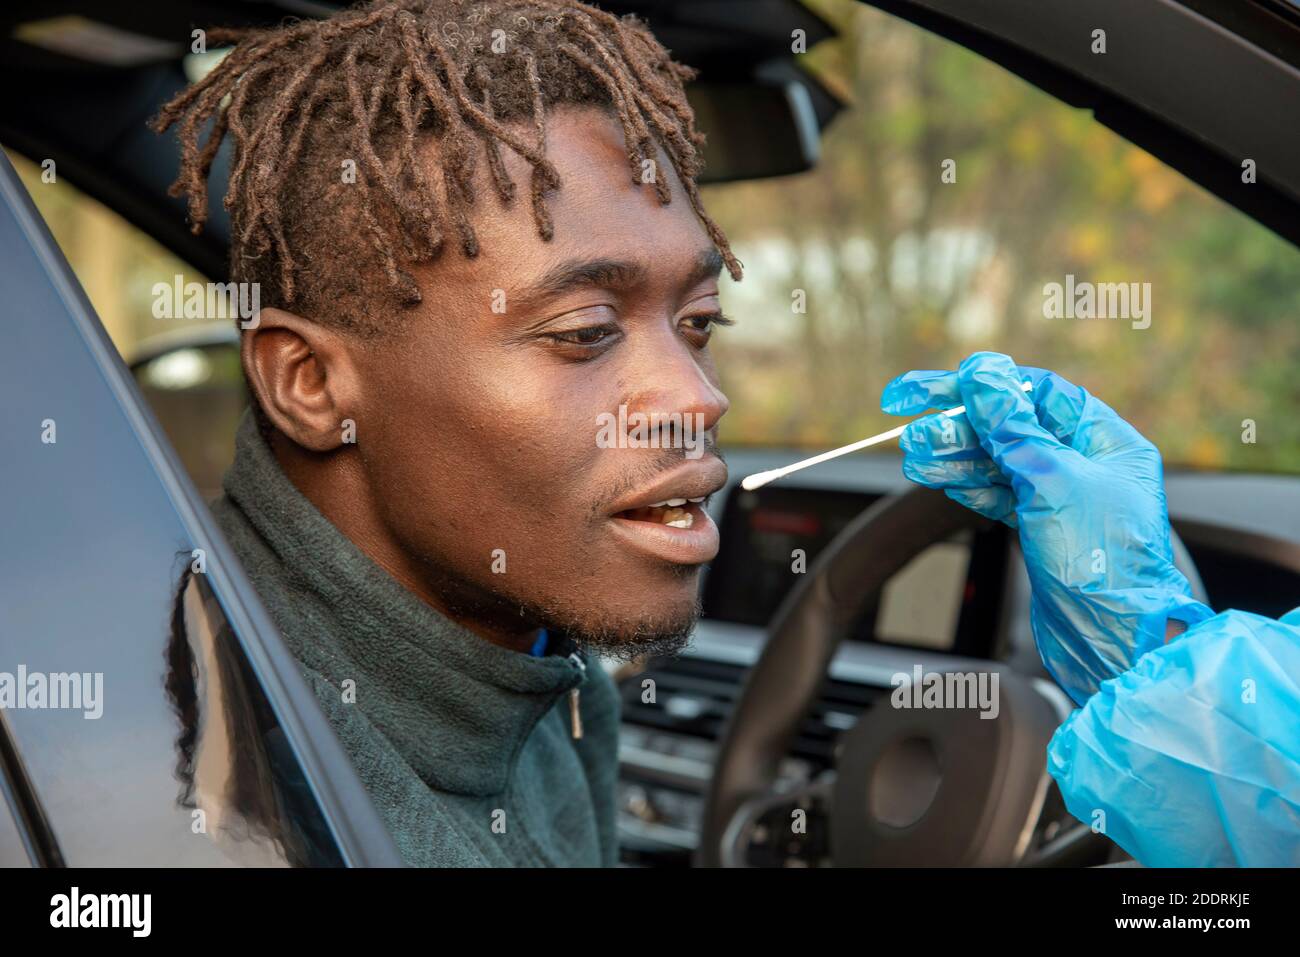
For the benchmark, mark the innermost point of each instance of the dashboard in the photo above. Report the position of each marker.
(959, 603)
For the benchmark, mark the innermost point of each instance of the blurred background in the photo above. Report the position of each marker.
(901, 271)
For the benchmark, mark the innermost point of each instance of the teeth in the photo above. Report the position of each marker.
(678, 518)
(673, 502)
(697, 501)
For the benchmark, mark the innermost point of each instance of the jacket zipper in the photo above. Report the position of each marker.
(575, 713)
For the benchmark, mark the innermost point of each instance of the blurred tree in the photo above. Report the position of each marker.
(903, 270)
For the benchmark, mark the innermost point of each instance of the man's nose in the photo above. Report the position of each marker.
(677, 382)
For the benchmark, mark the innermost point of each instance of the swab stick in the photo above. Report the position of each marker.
(759, 479)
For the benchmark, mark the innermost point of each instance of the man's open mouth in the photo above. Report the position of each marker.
(667, 519)
(675, 512)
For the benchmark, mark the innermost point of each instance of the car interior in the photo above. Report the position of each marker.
(833, 581)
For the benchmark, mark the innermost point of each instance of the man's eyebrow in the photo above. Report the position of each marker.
(708, 265)
(579, 273)
(612, 274)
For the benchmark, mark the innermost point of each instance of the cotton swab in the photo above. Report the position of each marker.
(759, 479)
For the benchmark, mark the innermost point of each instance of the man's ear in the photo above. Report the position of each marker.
(304, 377)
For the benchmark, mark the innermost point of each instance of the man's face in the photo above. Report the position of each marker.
(481, 430)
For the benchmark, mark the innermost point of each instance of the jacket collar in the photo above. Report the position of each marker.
(457, 707)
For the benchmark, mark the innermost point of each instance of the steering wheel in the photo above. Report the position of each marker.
(914, 786)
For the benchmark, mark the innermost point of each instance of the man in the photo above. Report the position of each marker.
(422, 498)
(1185, 749)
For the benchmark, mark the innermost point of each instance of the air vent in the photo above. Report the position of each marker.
(694, 697)
(834, 711)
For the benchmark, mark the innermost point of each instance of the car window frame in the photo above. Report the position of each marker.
(23, 807)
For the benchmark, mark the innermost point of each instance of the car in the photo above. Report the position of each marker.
(829, 585)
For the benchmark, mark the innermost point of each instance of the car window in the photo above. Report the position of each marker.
(137, 708)
(949, 197)
(187, 366)
(117, 264)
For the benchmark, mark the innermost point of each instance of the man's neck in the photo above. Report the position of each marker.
(337, 486)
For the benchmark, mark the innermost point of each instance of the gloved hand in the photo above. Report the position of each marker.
(1083, 488)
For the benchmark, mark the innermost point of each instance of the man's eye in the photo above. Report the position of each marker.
(700, 327)
(586, 336)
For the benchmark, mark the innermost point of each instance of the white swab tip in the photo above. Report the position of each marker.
(757, 480)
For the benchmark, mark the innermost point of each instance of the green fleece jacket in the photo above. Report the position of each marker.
(465, 747)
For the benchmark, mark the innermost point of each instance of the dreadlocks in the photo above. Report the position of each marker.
(368, 87)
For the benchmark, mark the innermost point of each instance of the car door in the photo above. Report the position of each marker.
(150, 713)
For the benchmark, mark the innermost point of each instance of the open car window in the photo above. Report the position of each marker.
(956, 207)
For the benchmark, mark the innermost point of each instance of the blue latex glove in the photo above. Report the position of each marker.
(1193, 756)
(1083, 487)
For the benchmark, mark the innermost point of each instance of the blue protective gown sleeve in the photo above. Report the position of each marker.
(1191, 758)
